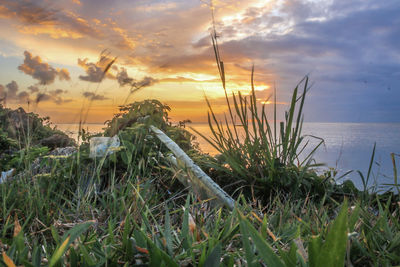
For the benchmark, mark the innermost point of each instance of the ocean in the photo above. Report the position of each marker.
(348, 146)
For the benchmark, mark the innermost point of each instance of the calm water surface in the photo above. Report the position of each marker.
(348, 146)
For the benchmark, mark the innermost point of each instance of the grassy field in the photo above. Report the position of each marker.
(129, 208)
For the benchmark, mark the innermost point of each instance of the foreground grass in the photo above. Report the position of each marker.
(70, 215)
(129, 209)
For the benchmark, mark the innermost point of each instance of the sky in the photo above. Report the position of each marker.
(53, 55)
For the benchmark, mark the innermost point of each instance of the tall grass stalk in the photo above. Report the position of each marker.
(260, 156)
(395, 178)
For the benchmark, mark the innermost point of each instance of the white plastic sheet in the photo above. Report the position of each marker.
(5, 175)
(102, 146)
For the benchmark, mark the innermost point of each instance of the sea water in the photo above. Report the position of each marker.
(347, 146)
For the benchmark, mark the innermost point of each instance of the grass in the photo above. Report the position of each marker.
(129, 209)
(126, 210)
(260, 154)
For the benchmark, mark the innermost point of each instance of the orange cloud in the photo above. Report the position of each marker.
(52, 30)
(41, 71)
(125, 41)
(5, 12)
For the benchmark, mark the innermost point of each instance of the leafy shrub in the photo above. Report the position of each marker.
(145, 113)
(26, 128)
(141, 154)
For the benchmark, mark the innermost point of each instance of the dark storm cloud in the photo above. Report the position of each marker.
(93, 96)
(41, 71)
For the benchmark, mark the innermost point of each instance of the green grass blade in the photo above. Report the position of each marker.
(214, 259)
(264, 249)
(332, 253)
(246, 244)
(69, 237)
(168, 231)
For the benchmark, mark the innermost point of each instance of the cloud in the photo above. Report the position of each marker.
(95, 72)
(42, 71)
(54, 96)
(145, 82)
(2, 92)
(12, 89)
(33, 89)
(23, 97)
(178, 79)
(203, 42)
(63, 74)
(124, 79)
(57, 92)
(36, 17)
(4, 12)
(10, 93)
(57, 20)
(350, 48)
(42, 97)
(28, 12)
(92, 96)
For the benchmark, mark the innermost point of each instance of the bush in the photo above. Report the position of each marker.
(22, 136)
(141, 154)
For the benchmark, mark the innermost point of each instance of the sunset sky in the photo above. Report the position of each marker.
(54, 53)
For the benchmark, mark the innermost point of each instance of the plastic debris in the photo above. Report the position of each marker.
(103, 146)
(198, 179)
(5, 175)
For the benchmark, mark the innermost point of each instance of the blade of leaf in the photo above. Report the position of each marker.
(214, 259)
(9, 262)
(167, 232)
(264, 249)
(333, 251)
(59, 252)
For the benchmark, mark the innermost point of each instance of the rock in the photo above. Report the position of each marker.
(17, 122)
(28, 128)
(56, 141)
(61, 151)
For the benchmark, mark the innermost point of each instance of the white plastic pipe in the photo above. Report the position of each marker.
(190, 165)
